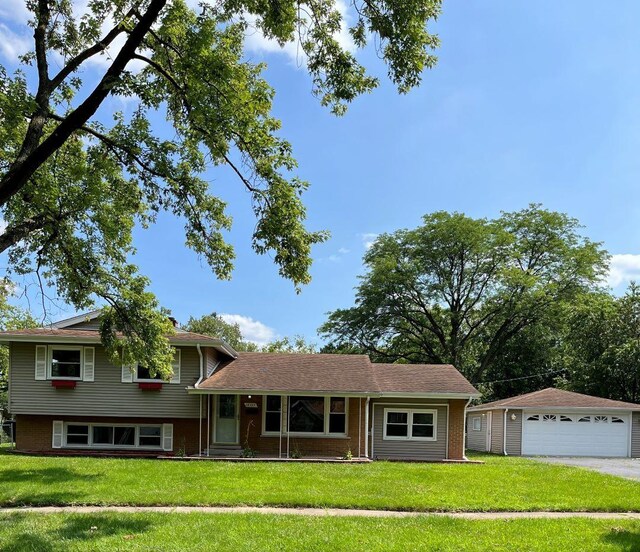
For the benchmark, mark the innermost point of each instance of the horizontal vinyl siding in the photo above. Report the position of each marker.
(635, 436)
(211, 360)
(497, 431)
(418, 450)
(514, 433)
(477, 440)
(106, 396)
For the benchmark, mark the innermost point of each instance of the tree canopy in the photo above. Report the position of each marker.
(459, 290)
(216, 326)
(73, 185)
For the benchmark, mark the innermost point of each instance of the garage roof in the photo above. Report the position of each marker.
(556, 398)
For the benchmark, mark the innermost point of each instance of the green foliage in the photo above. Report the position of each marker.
(215, 326)
(295, 344)
(458, 290)
(72, 188)
(603, 343)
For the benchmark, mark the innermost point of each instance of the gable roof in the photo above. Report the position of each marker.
(293, 372)
(334, 373)
(556, 398)
(84, 317)
(55, 335)
(421, 378)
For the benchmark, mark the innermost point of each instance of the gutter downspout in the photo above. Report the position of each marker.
(288, 419)
(366, 430)
(200, 410)
(504, 433)
(464, 433)
(359, 427)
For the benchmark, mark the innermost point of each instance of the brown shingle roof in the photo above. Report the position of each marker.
(556, 398)
(421, 378)
(294, 372)
(286, 372)
(42, 334)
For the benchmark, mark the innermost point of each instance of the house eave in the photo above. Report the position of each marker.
(557, 408)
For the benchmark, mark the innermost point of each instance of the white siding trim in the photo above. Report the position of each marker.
(89, 357)
(57, 433)
(127, 374)
(167, 437)
(175, 366)
(41, 362)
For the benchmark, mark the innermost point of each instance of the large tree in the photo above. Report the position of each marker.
(603, 344)
(216, 326)
(73, 185)
(458, 289)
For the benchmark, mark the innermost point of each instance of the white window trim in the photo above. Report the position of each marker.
(136, 379)
(90, 444)
(410, 412)
(327, 408)
(264, 415)
(50, 350)
(475, 419)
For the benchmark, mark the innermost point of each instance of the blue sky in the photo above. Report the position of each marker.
(529, 102)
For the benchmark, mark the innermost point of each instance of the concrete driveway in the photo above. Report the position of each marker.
(622, 467)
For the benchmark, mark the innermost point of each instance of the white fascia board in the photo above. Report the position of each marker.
(576, 409)
(205, 391)
(76, 319)
(396, 395)
(556, 408)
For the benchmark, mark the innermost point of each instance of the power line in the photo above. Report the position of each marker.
(522, 377)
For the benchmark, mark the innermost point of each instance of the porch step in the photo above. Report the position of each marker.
(225, 450)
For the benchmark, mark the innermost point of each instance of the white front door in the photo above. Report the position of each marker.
(570, 434)
(489, 428)
(226, 419)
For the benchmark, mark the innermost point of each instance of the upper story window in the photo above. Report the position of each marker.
(65, 362)
(142, 374)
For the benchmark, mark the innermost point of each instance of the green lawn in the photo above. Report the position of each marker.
(499, 484)
(22, 532)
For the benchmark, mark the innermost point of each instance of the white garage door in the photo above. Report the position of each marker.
(588, 434)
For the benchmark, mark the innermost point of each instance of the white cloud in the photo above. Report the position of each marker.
(14, 10)
(343, 251)
(623, 268)
(368, 238)
(252, 330)
(13, 44)
(255, 41)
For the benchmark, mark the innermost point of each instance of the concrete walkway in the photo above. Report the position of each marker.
(318, 512)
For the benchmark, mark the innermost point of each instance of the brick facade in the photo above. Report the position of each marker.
(456, 429)
(251, 426)
(34, 433)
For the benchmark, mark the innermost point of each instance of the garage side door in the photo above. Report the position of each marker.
(566, 434)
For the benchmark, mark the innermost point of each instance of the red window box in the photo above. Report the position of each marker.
(63, 384)
(150, 386)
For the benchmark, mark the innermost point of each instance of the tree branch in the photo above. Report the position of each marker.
(20, 172)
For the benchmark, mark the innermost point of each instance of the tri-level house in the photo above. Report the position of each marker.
(66, 396)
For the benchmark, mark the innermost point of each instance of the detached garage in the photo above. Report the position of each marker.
(553, 422)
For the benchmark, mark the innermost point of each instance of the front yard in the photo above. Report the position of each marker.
(22, 532)
(501, 484)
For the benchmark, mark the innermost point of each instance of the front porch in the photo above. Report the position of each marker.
(311, 427)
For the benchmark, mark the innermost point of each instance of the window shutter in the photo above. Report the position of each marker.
(175, 365)
(41, 362)
(127, 374)
(89, 363)
(167, 437)
(58, 428)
